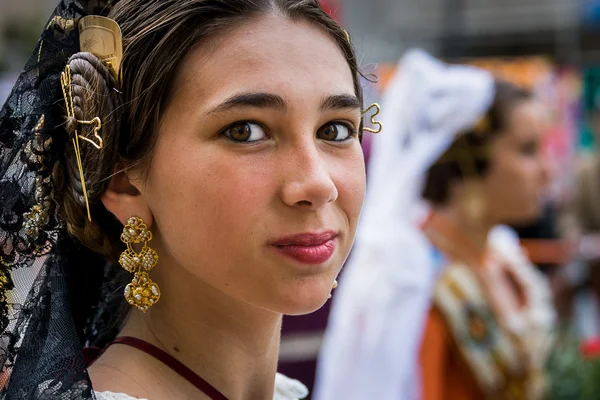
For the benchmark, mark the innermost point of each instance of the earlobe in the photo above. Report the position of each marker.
(124, 200)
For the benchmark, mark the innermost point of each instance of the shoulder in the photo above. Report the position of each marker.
(114, 396)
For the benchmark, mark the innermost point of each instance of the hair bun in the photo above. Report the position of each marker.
(93, 94)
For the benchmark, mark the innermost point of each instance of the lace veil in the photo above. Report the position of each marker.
(53, 290)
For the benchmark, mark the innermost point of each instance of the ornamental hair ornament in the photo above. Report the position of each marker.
(102, 37)
(65, 83)
(482, 126)
(372, 119)
(347, 36)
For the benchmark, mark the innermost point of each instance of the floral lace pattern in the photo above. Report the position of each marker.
(42, 327)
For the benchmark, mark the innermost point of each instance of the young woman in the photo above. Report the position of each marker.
(442, 304)
(215, 164)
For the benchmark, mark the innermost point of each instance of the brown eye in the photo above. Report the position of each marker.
(530, 148)
(334, 132)
(245, 132)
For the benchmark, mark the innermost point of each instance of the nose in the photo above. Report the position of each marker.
(548, 168)
(307, 181)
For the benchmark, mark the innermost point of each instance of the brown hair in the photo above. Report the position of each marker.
(473, 143)
(157, 36)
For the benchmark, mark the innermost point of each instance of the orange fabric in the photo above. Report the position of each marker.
(547, 251)
(443, 375)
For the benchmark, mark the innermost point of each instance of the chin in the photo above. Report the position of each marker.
(301, 302)
(302, 308)
(530, 216)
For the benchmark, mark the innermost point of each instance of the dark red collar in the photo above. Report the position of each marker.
(90, 354)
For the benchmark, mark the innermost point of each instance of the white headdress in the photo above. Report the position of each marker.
(371, 346)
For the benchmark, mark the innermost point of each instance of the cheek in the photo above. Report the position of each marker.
(524, 173)
(217, 209)
(514, 185)
(350, 181)
(206, 202)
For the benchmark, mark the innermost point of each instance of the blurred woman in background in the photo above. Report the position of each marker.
(487, 331)
(438, 301)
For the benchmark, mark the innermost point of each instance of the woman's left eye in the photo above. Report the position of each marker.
(335, 132)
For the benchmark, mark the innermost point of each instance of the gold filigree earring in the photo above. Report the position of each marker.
(473, 203)
(141, 292)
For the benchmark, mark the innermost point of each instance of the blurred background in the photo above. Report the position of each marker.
(549, 46)
(21, 24)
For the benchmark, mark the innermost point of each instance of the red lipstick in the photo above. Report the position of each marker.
(308, 248)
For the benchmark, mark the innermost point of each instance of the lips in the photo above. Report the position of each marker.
(307, 248)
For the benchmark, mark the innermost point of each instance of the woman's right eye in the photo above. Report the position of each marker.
(244, 132)
(530, 148)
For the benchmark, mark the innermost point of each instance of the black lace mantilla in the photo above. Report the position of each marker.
(53, 292)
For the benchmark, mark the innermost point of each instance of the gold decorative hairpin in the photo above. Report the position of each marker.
(482, 126)
(102, 37)
(347, 36)
(372, 119)
(65, 81)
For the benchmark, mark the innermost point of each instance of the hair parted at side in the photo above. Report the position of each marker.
(473, 144)
(157, 36)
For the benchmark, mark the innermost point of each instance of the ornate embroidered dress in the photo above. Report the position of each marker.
(489, 331)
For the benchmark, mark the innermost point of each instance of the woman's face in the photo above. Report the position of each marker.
(257, 180)
(519, 170)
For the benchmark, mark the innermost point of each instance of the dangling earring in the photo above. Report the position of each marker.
(335, 285)
(473, 203)
(141, 292)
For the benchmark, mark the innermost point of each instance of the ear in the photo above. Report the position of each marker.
(124, 200)
(456, 190)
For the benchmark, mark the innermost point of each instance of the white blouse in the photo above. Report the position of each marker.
(285, 389)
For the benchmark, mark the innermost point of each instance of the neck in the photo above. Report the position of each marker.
(232, 345)
(475, 231)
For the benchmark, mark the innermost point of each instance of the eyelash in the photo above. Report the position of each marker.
(237, 123)
(353, 133)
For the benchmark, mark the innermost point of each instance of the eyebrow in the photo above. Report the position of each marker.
(340, 102)
(255, 100)
(270, 100)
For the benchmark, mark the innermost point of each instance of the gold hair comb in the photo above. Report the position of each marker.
(102, 37)
(65, 81)
(372, 119)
